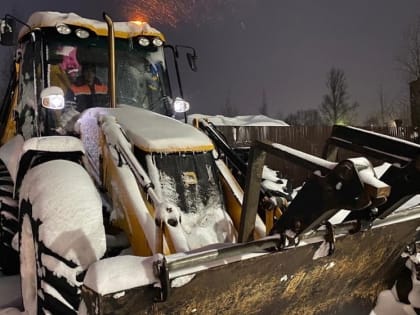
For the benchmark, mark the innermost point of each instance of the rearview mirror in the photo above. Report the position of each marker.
(7, 31)
(192, 58)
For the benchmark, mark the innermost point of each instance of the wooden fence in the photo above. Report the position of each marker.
(307, 139)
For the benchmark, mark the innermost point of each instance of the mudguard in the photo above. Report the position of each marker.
(10, 154)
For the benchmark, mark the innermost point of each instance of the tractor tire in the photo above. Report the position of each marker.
(61, 234)
(9, 257)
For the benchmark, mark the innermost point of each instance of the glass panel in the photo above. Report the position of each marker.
(190, 182)
(30, 83)
(80, 68)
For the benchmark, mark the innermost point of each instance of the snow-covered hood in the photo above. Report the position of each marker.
(152, 132)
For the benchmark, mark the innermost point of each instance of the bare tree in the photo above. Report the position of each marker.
(401, 108)
(382, 104)
(409, 61)
(229, 110)
(389, 110)
(372, 120)
(335, 107)
(308, 117)
(264, 105)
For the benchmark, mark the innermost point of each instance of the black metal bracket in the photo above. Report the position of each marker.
(330, 237)
(403, 175)
(161, 270)
(331, 187)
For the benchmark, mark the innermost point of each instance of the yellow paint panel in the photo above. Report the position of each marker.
(10, 130)
(177, 149)
(233, 205)
(121, 200)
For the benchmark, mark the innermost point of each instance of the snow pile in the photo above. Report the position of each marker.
(116, 274)
(10, 153)
(88, 128)
(381, 169)
(78, 197)
(276, 184)
(246, 120)
(51, 19)
(9, 292)
(202, 224)
(54, 144)
(11, 311)
(167, 134)
(388, 302)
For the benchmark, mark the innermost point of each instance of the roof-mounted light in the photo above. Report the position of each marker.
(157, 42)
(81, 33)
(63, 29)
(139, 23)
(144, 41)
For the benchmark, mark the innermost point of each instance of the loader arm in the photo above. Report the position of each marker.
(234, 160)
(349, 184)
(268, 208)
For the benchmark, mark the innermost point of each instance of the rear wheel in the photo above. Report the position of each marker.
(61, 235)
(9, 257)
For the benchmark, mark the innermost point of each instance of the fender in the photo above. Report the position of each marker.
(10, 154)
(42, 149)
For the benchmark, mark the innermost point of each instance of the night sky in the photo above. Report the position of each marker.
(282, 47)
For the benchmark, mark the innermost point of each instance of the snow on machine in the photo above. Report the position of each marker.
(110, 205)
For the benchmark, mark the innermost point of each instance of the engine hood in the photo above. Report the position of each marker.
(152, 132)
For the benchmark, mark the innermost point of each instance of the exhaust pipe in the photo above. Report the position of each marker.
(111, 60)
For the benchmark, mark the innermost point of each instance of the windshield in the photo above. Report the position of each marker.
(80, 68)
(139, 70)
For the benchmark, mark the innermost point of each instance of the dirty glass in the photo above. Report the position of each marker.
(80, 68)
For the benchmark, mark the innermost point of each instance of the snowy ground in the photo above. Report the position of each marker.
(11, 300)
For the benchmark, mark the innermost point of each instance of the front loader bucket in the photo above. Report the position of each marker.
(281, 282)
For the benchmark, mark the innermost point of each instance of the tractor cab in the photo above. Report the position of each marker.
(62, 70)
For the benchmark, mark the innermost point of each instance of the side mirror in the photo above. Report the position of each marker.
(7, 31)
(192, 58)
(52, 97)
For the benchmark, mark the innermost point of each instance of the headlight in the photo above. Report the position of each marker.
(143, 41)
(52, 98)
(181, 105)
(63, 29)
(81, 33)
(157, 42)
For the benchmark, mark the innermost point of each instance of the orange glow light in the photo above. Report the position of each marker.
(172, 12)
(139, 23)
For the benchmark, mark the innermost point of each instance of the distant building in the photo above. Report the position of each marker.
(240, 121)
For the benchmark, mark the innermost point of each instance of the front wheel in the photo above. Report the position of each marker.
(61, 234)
